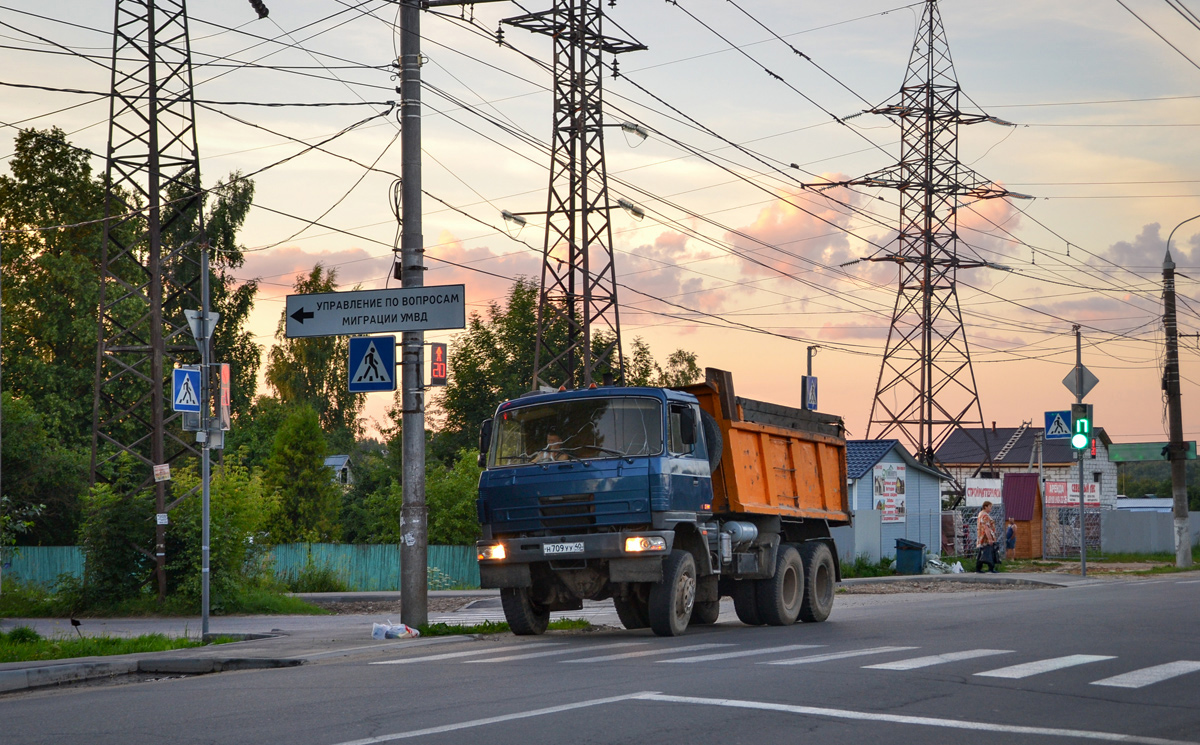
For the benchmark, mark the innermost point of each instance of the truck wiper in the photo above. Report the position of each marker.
(618, 453)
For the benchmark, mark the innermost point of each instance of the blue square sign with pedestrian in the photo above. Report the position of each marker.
(185, 390)
(372, 364)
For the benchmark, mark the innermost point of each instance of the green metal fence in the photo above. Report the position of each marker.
(363, 567)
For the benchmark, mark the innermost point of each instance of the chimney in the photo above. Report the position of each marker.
(993, 428)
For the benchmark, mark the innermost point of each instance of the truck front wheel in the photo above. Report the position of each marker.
(524, 617)
(633, 609)
(780, 597)
(672, 599)
(819, 578)
(745, 602)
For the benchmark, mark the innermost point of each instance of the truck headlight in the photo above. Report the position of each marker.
(642, 543)
(495, 552)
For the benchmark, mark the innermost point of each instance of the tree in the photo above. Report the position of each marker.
(313, 371)
(43, 479)
(450, 494)
(306, 501)
(252, 438)
(51, 281)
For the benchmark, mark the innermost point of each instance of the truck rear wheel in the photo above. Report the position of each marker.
(633, 611)
(745, 602)
(780, 597)
(819, 579)
(672, 599)
(524, 617)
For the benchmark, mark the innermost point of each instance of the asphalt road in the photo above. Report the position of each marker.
(1111, 662)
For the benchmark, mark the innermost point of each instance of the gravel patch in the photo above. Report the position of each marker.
(897, 588)
(359, 608)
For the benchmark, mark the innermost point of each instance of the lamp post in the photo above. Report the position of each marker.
(1176, 450)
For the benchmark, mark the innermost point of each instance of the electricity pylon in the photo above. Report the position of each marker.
(150, 259)
(578, 300)
(926, 387)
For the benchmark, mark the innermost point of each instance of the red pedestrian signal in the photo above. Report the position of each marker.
(439, 368)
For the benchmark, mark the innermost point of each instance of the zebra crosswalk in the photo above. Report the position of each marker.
(651, 651)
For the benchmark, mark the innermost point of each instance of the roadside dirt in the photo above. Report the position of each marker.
(941, 585)
(436, 605)
(1094, 567)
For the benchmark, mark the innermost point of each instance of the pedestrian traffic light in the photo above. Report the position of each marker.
(1081, 426)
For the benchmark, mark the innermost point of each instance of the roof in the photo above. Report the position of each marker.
(1020, 495)
(862, 455)
(1146, 504)
(964, 446)
(337, 462)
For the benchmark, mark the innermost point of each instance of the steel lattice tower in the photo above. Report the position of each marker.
(578, 299)
(150, 260)
(926, 387)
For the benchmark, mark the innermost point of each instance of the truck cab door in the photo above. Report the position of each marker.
(687, 460)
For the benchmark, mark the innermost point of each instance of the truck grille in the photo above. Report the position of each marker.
(567, 511)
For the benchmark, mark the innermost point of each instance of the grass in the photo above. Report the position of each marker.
(23, 644)
(862, 567)
(313, 577)
(496, 627)
(34, 601)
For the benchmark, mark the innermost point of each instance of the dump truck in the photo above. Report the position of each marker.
(665, 500)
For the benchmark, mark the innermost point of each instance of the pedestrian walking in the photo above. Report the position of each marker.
(1010, 538)
(985, 539)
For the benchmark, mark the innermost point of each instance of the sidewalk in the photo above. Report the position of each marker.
(286, 641)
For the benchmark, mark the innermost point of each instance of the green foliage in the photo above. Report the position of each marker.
(682, 368)
(24, 644)
(237, 520)
(863, 567)
(306, 502)
(313, 577)
(1153, 478)
(51, 283)
(117, 535)
(312, 371)
(42, 478)
(252, 437)
(450, 494)
(376, 468)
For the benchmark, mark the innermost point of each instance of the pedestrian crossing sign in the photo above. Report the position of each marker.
(186, 390)
(1058, 425)
(372, 364)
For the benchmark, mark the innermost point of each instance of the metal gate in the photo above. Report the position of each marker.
(1060, 532)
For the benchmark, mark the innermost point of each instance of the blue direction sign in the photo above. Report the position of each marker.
(372, 364)
(185, 391)
(1058, 425)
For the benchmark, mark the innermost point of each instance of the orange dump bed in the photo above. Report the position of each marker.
(776, 460)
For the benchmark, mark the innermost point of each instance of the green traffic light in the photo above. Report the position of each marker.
(1080, 441)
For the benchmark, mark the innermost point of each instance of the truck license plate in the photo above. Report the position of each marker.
(562, 548)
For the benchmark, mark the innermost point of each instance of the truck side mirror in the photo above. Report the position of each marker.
(687, 427)
(485, 440)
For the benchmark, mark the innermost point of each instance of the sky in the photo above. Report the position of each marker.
(744, 101)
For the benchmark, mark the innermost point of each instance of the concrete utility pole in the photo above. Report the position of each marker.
(1176, 449)
(414, 533)
(1079, 400)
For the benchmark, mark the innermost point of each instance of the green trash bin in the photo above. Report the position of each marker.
(910, 556)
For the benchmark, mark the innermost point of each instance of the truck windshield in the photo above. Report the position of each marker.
(578, 429)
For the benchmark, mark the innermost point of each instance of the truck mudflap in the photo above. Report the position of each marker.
(570, 552)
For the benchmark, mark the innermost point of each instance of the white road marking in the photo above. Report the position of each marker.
(551, 653)
(1149, 675)
(743, 653)
(1043, 666)
(871, 716)
(837, 655)
(647, 653)
(1189, 582)
(454, 655)
(492, 720)
(936, 659)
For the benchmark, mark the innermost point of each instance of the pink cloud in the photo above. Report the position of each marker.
(451, 263)
(281, 265)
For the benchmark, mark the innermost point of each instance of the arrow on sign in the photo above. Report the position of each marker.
(301, 315)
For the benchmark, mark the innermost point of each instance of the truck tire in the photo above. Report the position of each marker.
(633, 612)
(819, 577)
(671, 600)
(780, 597)
(705, 612)
(745, 602)
(712, 439)
(524, 617)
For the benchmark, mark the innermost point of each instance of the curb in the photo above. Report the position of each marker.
(36, 677)
(965, 577)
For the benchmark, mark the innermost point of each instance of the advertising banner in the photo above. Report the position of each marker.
(889, 492)
(979, 491)
(1066, 494)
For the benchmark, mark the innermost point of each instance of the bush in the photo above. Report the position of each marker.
(313, 577)
(22, 635)
(116, 535)
(862, 567)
